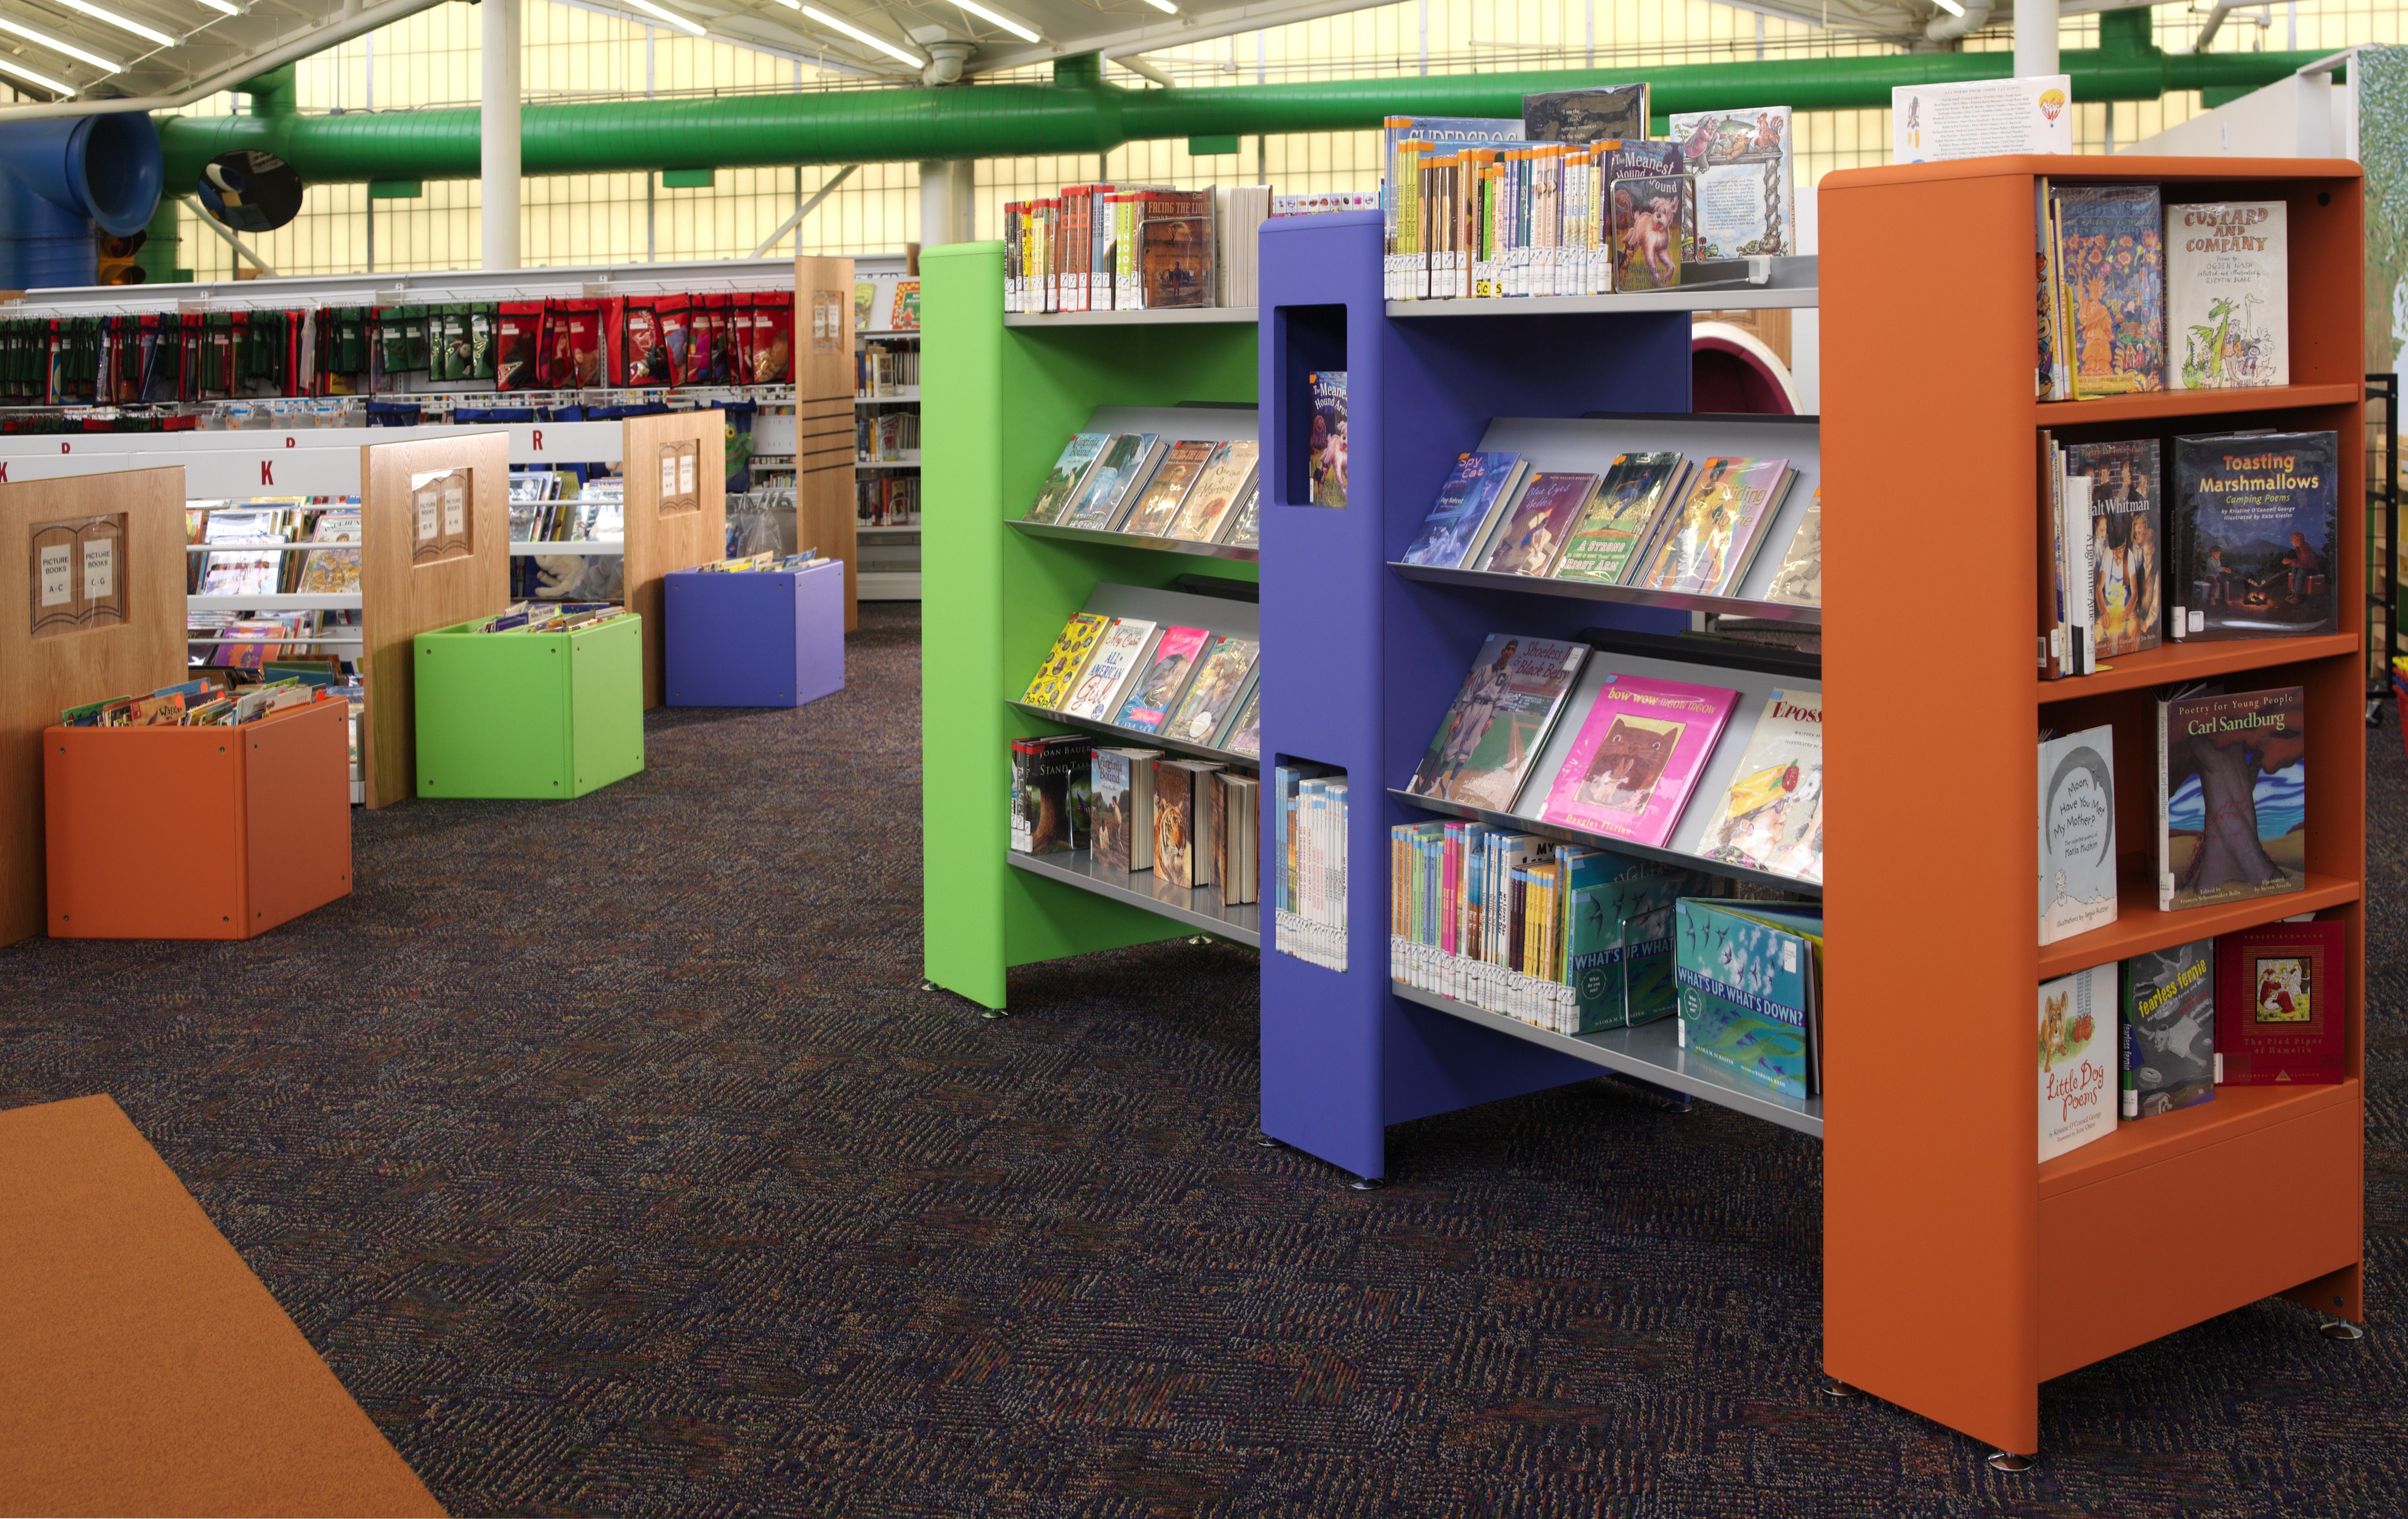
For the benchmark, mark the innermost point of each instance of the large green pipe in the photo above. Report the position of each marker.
(1078, 113)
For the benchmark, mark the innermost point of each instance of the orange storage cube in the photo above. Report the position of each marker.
(197, 832)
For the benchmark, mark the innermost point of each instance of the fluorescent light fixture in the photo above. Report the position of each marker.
(872, 39)
(18, 71)
(1163, 6)
(101, 13)
(690, 28)
(1950, 5)
(221, 5)
(1015, 28)
(44, 39)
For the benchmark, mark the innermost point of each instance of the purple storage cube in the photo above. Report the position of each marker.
(753, 638)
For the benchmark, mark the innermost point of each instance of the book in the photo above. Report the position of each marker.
(1182, 842)
(1063, 480)
(1119, 654)
(2077, 832)
(2126, 569)
(2077, 1082)
(1227, 477)
(1749, 978)
(1619, 919)
(1637, 757)
(2232, 795)
(1326, 464)
(1652, 218)
(1741, 159)
(1211, 698)
(1175, 241)
(1615, 529)
(1499, 722)
(1468, 503)
(1128, 461)
(1246, 525)
(2254, 535)
(2228, 294)
(2111, 281)
(1150, 698)
(334, 571)
(2282, 1009)
(1157, 506)
(1244, 735)
(1799, 581)
(1770, 817)
(1712, 535)
(1049, 788)
(1600, 113)
(1121, 813)
(1236, 839)
(1539, 524)
(1055, 678)
(2169, 1008)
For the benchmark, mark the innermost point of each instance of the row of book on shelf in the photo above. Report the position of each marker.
(1132, 672)
(203, 704)
(1190, 490)
(2242, 545)
(251, 563)
(1573, 198)
(1654, 520)
(2139, 294)
(1188, 824)
(881, 368)
(767, 560)
(551, 617)
(1132, 247)
(885, 436)
(557, 506)
(887, 499)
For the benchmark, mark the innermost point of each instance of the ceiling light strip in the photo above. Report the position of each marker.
(18, 71)
(681, 22)
(999, 19)
(870, 38)
(44, 39)
(102, 13)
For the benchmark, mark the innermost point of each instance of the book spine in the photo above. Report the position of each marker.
(2164, 824)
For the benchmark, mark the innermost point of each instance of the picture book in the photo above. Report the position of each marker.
(1118, 655)
(1653, 220)
(1050, 791)
(1470, 502)
(1770, 818)
(2232, 795)
(1063, 480)
(1637, 757)
(1619, 915)
(1509, 704)
(1749, 978)
(1741, 159)
(1151, 700)
(2169, 1010)
(1059, 674)
(1237, 840)
(2077, 1079)
(1539, 524)
(1245, 732)
(2126, 569)
(1157, 509)
(1594, 114)
(2077, 832)
(1182, 840)
(334, 571)
(1708, 541)
(1799, 581)
(2282, 1011)
(2228, 294)
(1614, 532)
(1122, 467)
(1211, 698)
(1245, 526)
(1326, 465)
(1227, 477)
(1121, 812)
(2254, 534)
(2112, 280)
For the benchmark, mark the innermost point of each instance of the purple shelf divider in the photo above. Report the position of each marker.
(1361, 663)
(753, 638)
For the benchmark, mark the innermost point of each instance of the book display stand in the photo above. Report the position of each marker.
(1001, 396)
(530, 717)
(129, 637)
(197, 832)
(754, 638)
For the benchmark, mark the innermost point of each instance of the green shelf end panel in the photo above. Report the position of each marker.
(529, 716)
(997, 405)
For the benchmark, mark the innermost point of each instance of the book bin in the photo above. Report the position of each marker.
(754, 638)
(196, 832)
(522, 716)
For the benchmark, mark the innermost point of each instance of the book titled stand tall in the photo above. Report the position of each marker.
(1001, 396)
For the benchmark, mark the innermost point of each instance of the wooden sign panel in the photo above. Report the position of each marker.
(824, 514)
(675, 465)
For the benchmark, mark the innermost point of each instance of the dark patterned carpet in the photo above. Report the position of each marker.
(612, 1156)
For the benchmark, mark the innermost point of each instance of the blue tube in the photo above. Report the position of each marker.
(64, 177)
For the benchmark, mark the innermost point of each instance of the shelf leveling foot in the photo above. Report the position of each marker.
(2009, 1461)
(1836, 1388)
(2341, 1329)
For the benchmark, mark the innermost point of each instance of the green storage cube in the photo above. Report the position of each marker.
(519, 715)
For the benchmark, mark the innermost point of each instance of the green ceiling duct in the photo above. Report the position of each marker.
(1078, 113)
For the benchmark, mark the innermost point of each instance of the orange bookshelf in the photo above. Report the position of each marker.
(1960, 1273)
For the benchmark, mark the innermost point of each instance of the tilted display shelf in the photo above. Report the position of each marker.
(1131, 738)
(1514, 822)
(907, 460)
(1136, 540)
(290, 601)
(901, 394)
(1156, 317)
(1197, 908)
(1787, 282)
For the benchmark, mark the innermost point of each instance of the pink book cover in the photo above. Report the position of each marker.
(1157, 690)
(1637, 757)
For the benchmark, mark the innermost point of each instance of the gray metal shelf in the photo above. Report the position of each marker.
(1166, 317)
(1139, 540)
(1513, 823)
(1585, 590)
(1133, 739)
(1791, 282)
(1197, 909)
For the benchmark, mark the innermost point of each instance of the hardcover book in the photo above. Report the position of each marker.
(1539, 525)
(1050, 791)
(1597, 114)
(2282, 1013)
(2232, 796)
(1126, 460)
(2112, 282)
(1245, 526)
(1227, 479)
(1467, 505)
(1245, 733)
(1509, 704)
(1122, 810)
(1618, 944)
(1614, 531)
(2169, 1028)
(1118, 655)
(2125, 566)
(2077, 832)
(2228, 293)
(1325, 467)
(1157, 509)
(1055, 678)
(1183, 840)
(1637, 757)
(1063, 480)
(1652, 223)
(1710, 540)
(1211, 698)
(2254, 529)
(1770, 818)
(2077, 1082)
(1799, 581)
(1741, 163)
(1749, 977)
(1150, 701)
